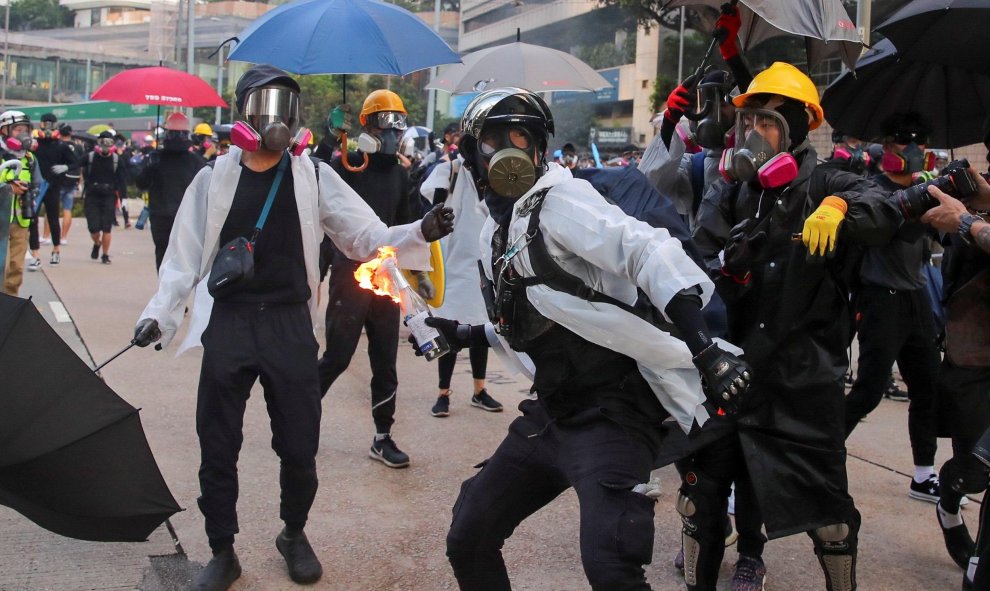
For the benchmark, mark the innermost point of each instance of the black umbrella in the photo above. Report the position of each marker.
(952, 32)
(956, 101)
(73, 456)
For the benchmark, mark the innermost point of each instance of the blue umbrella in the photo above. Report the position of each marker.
(342, 37)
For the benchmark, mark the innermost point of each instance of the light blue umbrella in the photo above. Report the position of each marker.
(342, 37)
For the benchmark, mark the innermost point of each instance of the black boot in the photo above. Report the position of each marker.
(304, 566)
(220, 572)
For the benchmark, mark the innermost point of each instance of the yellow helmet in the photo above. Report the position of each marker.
(381, 100)
(786, 80)
(203, 129)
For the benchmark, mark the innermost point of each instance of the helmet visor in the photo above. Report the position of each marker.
(387, 120)
(106, 142)
(764, 129)
(269, 104)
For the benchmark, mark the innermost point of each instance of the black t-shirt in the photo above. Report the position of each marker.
(279, 260)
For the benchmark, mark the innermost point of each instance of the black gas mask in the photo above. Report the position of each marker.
(176, 141)
(714, 117)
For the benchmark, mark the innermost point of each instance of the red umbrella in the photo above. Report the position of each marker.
(159, 86)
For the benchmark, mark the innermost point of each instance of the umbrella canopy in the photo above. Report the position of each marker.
(824, 24)
(342, 37)
(532, 67)
(73, 456)
(954, 100)
(952, 32)
(159, 86)
(97, 129)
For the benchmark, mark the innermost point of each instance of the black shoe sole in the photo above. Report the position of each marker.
(296, 578)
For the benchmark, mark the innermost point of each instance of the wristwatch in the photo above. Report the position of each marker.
(966, 221)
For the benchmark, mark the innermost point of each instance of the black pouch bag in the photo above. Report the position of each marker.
(234, 263)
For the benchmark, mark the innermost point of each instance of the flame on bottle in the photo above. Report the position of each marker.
(373, 276)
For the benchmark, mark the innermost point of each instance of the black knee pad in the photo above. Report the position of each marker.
(701, 504)
(965, 475)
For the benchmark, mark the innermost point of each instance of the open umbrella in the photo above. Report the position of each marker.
(97, 129)
(956, 101)
(159, 86)
(73, 456)
(342, 37)
(952, 32)
(824, 24)
(532, 67)
(420, 136)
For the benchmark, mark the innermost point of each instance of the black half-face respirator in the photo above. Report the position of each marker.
(383, 132)
(508, 155)
(271, 121)
(756, 158)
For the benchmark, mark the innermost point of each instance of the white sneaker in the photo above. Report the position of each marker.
(34, 265)
(63, 241)
(46, 241)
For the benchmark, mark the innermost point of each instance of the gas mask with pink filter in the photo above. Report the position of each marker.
(760, 155)
(271, 122)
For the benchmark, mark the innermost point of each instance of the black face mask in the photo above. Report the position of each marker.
(176, 141)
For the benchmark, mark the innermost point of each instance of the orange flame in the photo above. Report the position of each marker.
(373, 276)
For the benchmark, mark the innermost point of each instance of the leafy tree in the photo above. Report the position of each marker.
(30, 15)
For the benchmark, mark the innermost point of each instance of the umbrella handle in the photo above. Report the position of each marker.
(344, 159)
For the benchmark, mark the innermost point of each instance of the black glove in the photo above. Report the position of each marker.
(741, 249)
(437, 223)
(457, 339)
(146, 332)
(724, 377)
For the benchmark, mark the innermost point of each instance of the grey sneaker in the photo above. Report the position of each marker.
(388, 453)
(442, 407)
(484, 401)
(34, 265)
(56, 258)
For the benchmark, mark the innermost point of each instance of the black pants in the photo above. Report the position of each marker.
(245, 342)
(897, 326)
(52, 202)
(99, 210)
(537, 461)
(161, 228)
(706, 478)
(966, 393)
(349, 309)
(478, 354)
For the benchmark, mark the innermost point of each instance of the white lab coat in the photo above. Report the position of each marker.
(329, 206)
(614, 253)
(462, 296)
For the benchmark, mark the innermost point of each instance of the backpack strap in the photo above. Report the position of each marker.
(548, 272)
(697, 179)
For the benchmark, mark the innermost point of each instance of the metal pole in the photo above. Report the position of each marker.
(6, 53)
(680, 51)
(219, 82)
(190, 38)
(863, 20)
(431, 101)
(89, 76)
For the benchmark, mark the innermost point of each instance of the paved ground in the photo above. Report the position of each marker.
(378, 529)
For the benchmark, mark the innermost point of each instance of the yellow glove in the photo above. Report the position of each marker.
(822, 226)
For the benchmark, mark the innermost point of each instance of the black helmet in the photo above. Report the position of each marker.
(508, 105)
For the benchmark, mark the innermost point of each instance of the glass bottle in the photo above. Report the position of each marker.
(431, 343)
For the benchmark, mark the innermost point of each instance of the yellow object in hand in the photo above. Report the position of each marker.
(822, 226)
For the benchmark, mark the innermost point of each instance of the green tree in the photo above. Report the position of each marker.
(31, 15)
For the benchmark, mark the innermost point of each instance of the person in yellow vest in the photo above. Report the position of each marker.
(15, 139)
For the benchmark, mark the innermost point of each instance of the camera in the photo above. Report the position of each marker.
(955, 180)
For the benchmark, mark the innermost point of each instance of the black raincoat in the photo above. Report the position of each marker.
(794, 321)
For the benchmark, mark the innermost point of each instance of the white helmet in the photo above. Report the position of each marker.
(11, 118)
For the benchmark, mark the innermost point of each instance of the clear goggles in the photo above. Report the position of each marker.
(910, 137)
(106, 142)
(269, 104)
(767, 123)
(387, 120)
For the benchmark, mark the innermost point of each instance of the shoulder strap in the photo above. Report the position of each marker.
(697, 179)
(551, 274)
(282, 165)
(116, 159)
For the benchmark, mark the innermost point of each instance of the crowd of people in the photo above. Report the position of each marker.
(694, 305)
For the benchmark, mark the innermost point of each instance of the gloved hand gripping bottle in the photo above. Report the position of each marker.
(431, 343)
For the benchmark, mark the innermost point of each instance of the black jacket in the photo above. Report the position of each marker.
(793, 318)
(52, 152)
(166, 175)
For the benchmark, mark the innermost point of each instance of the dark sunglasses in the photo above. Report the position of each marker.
(906, 138)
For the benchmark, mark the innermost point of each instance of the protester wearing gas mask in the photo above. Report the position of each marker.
(682, 162)
(20, 187)
(374, 172)
(105, 183)
(769, 233)
(895, 321)
(849, 153)
(604, 376)
(55, 159)
(166, 175)
(246, 240)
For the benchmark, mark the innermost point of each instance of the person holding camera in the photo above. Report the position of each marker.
(964, 379)
(262, 326)
(894, 312)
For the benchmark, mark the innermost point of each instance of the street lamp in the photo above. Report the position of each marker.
(6, 53)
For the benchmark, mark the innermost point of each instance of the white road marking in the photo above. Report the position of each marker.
(61, 314)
